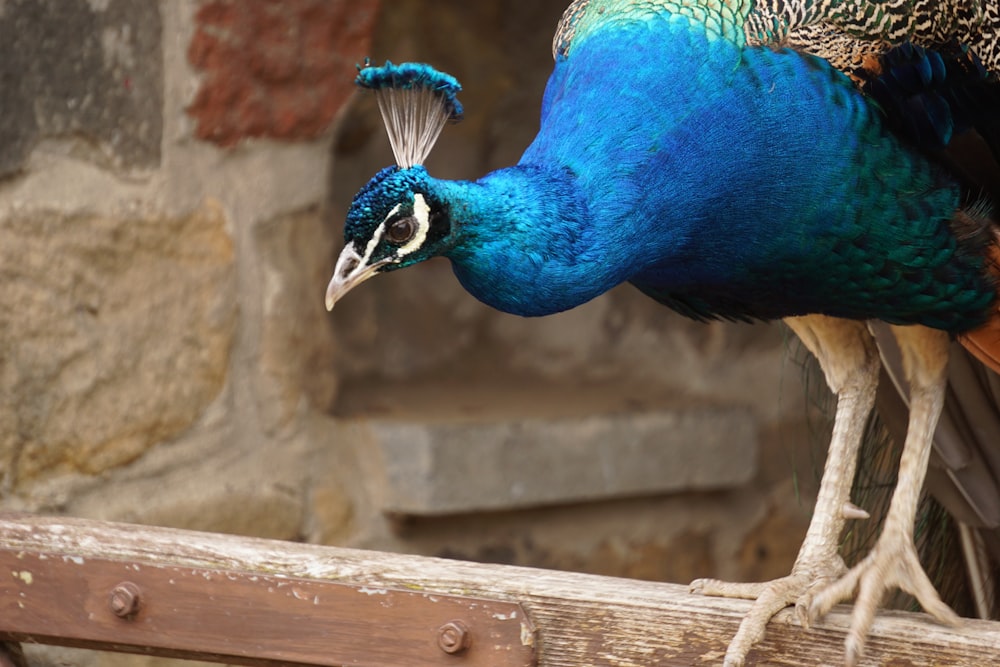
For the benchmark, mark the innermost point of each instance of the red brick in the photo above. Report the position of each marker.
(278, 69)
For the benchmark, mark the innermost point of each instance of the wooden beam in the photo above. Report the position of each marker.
(573, 619)
(252, 617)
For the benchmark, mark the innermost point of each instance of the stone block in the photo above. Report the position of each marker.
(448, 467)
(218, 479)
(116, 330)
(297, 365)
(275, 69)
(331, 514)
(78, 69)
(253, 506)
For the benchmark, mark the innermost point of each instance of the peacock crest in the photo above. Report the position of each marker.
(415, 101)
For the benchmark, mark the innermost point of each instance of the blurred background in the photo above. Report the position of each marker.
(174, 179)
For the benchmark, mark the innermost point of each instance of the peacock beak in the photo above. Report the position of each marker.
(349, 272)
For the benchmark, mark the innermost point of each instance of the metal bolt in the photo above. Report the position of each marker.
(125, 600)
(454, 637)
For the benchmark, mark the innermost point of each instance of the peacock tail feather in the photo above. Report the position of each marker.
(844, 32)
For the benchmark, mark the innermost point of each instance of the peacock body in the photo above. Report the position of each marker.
(693, 184)
(686, 148)
(733, 211)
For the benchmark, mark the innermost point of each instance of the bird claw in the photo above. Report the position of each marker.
(717, 588)
(852, 511)
(770, 597)
(815, 587)
(802, 606)
(893, 563)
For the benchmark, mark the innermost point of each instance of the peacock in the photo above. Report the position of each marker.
(832, 164)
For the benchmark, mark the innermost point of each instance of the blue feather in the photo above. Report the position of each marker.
(722, 179)
(407, 76)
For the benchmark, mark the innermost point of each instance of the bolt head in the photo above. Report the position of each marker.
(125, 600)
(454, 637)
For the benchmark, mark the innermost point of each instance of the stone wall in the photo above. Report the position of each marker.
(174, 177)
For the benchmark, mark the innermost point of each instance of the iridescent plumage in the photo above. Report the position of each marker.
(709, 153)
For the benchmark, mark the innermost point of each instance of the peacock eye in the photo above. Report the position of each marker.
(402, 230)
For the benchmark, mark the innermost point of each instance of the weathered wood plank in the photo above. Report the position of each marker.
(251, 617)
(579, 619)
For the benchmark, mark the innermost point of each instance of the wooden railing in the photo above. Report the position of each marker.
(238, 600)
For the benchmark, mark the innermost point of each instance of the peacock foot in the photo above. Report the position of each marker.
(892, 563)
(808, 577)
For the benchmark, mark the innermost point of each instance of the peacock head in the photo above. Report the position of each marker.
(397, 220)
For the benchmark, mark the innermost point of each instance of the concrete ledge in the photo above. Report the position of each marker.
(448, 468)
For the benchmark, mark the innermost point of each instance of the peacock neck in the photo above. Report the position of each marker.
(524, 243)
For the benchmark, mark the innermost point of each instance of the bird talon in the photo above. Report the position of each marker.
(726, 589)
(802, 611)
(854, 648)
(770, 598)
(852, 511)
(697, 587)
(734, 661)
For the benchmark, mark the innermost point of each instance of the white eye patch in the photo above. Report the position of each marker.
(422, 214)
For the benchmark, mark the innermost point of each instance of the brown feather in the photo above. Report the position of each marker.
(984, 342)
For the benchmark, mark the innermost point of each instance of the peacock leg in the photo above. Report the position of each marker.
(893, 562)
(848, 356)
